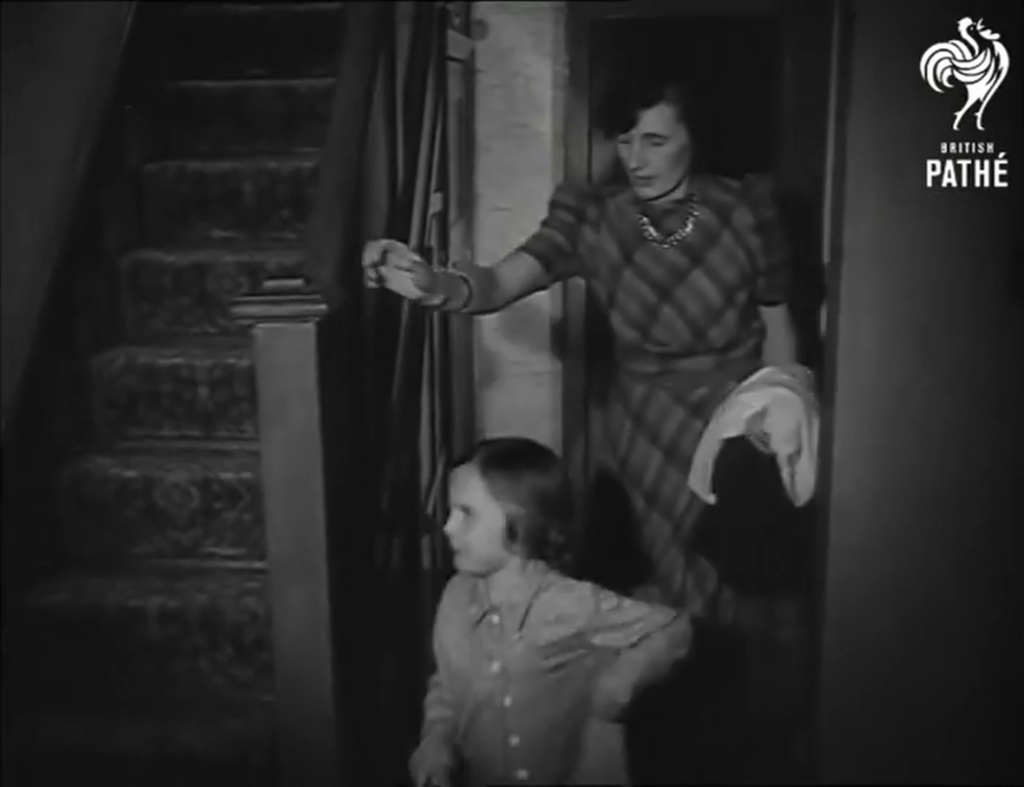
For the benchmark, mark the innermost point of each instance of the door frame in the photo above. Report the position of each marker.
(460, 65)
(573, 317)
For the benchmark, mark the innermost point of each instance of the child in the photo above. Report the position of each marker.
(533, 669)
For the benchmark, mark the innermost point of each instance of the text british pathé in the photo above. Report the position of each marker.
(968, 165)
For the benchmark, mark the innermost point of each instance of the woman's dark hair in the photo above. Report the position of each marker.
(636, 88)
(532, 485)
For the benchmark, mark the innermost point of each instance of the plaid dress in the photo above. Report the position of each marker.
(686, 329)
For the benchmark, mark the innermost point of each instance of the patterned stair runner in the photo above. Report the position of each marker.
(147, 657)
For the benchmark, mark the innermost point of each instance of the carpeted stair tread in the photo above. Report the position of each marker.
(180, 446)
(181, 748)
(223, 251)
(165, 456)
(148, 634)
(251, 198)
(189, 291)
(248, 160)
(256, 8)
(243, 41)
(86, 587)
(134, 729)
(198, 390)
(157, 502)
(216, 118)
(208, 348)
(261, 83)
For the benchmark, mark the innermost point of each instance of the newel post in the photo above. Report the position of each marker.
(286, 316)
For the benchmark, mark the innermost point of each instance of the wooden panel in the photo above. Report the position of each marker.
(802, 160)
(460, 154)
(300, 557)
(922, 652)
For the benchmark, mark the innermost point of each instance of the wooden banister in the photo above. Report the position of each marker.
(302, 338)
(308, 373)
(331, 232)
(286, 316)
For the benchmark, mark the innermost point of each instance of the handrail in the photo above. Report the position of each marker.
(60, 67)
(328, 236)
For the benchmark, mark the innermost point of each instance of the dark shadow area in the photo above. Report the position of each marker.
(733, 115)
(50, 422)
(737, 710)
(802, 221)
(611, 555)
(758, 540)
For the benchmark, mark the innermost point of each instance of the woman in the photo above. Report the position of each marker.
(692, 271)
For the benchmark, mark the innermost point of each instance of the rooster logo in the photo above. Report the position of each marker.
(981, 67)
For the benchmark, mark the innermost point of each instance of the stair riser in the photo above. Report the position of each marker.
(195, 202)
(49, 763)
(146, 749)
(140, 396)
(212, 119)
(281, 42)
(167, 297)
(141, 651)
(117, 510)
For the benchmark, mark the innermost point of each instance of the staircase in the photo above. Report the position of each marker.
(146, 658)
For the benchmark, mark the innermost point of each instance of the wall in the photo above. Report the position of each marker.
(519, 115)
(923, 641)
(59, 63)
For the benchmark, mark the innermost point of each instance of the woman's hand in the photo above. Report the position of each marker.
(393, 265)
(756, 432)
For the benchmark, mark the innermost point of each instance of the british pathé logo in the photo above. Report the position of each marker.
(979, 67)
(978, 61)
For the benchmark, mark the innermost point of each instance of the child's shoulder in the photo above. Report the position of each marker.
(588, 597)
(576, 593)
(459, 592)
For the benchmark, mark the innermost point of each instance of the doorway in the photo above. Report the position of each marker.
(718, 56)
(763, 75)
(762, 71)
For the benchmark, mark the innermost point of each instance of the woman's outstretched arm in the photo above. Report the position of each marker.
(469, 289)
(547, 256)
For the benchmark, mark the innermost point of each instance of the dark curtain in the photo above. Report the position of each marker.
(390, 147)
(408, 370)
